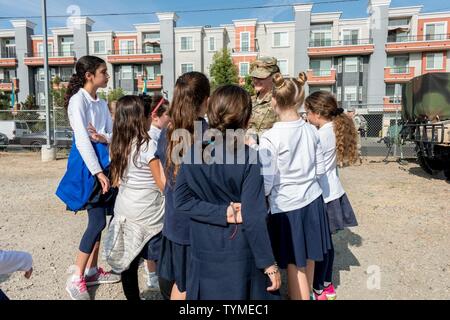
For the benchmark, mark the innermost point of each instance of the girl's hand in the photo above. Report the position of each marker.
(231, 218)
(28, 273)
(95, 136)
(104, 181)
(274, 274)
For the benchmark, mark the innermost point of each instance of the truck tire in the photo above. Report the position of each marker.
(447, 174)
(424, 164)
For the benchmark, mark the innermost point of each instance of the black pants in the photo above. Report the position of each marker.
(130, 283)
(3, 296)
(323, 270)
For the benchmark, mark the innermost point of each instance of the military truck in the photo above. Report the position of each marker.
(426, 120)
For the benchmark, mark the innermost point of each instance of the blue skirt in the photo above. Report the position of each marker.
(300, 235)
(340, 214)
(173, 262)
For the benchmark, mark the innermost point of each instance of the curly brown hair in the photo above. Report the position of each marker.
(324, 103)
(130, 127)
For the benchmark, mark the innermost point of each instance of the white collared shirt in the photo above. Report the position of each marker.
(330, 183)
(154, 133)
(292, 161)
(82, 110)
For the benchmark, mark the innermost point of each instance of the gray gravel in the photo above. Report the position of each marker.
(398, 251)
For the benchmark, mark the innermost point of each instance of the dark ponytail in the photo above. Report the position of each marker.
(84, 64)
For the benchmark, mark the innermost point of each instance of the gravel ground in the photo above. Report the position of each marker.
(399, 251)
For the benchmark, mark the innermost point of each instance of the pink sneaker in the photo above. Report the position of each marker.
(102, 277)
(321, 296)
(330, 292)
(77, 289)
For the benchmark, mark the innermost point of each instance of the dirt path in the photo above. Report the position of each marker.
(399, 251)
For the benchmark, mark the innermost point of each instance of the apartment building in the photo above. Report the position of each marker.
(363, 61)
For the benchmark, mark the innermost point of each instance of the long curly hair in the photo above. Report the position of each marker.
(130, 129)
(324, 103)
(84, 64)
(191, 90)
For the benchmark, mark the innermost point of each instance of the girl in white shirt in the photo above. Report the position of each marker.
(91, 122)
(139, 208)
(338, 138)
(292, 160)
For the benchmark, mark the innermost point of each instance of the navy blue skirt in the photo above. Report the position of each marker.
(173, 262)
(340, 214)
(152, 248)
(300, 235)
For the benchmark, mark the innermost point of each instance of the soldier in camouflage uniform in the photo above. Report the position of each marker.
(263, 115)
(360, 125)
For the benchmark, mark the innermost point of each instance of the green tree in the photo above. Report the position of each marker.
(223, 71)
(248, 85)
(115, 94)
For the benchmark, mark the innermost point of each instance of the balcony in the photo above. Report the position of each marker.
(152, 84)
(148, 55)
(8, 59)
(392, 103)
(421, 43)
(398, 74)
(6, 85)
(63, 58)
(321, 77)
(328, 47)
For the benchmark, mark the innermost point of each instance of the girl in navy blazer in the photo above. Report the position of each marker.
(228, 261)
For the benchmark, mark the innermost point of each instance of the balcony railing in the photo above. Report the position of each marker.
(123, 52)
(8, 54)
(418, 38)
(400, 70)
(321, 72)
(337, 43)
(51, 54)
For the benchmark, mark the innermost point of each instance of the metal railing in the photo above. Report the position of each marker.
(335, 43)
(400, 70)
(9, 53)
(321, 72)
(148, 50)
(51, 54)
(417, 38)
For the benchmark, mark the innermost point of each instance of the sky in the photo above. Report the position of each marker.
(27, 8)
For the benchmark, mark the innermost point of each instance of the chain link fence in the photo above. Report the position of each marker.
(380, 134)
(25, 130)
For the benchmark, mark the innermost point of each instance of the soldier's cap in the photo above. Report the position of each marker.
(264, 67)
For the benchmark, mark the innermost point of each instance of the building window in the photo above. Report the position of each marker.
(351, 64)
(41, 50)
(339, 93)
(398, 64)
(244, 69)
(436, 31)
(280, 39)
(313, 89)
(351, 94)
(350, 37)
(127, 46)
(151, 72)
(66, 73)
(321, 35)
(245, 41)
(321, 67)
(435, 61)
(212, 44)
(283, 65)
(360, 94)
(8, 48)
(187, 43)
(66, 46)
(126, 73)
(99, 47)
(187, 67)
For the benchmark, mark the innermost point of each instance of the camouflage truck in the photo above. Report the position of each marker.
(426, 120)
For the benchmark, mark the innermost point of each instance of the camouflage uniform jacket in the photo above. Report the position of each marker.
(263, 115)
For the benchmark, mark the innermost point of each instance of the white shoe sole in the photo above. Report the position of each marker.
(70, 295)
